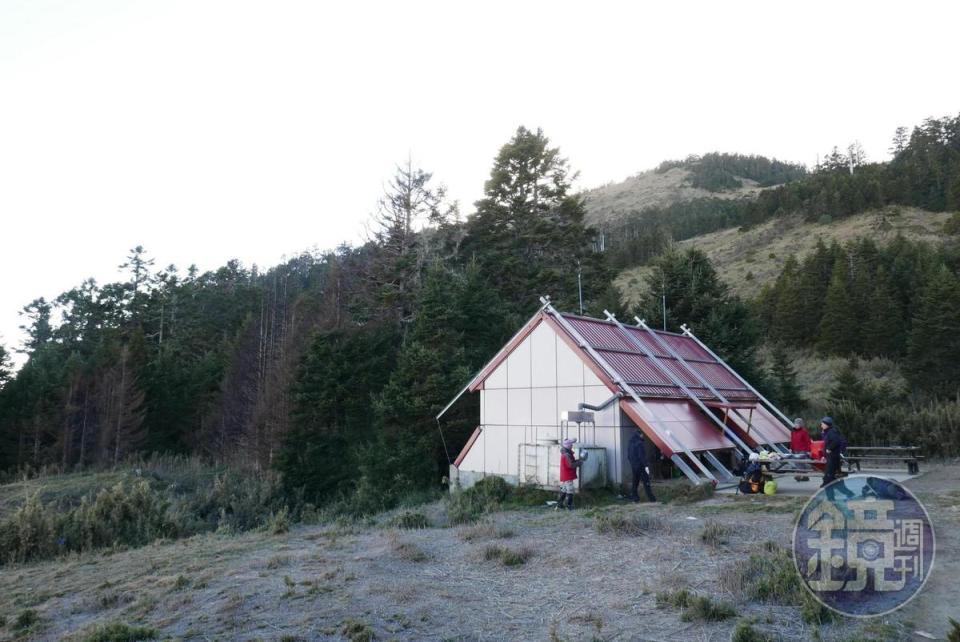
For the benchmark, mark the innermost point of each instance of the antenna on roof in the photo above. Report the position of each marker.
(580, 286)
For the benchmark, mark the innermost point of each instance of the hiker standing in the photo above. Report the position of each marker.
(800, 445)
(568, 475)
(833, 444)
(800, 441)
(637, 455)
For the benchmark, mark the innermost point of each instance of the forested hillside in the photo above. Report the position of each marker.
(330, 367)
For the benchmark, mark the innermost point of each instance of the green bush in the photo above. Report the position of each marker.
(682, 492)
(507, 556)
(120, 632)
(695, 607)
(771, 577)
(131, 514)
(356, 631)
(485, 496)
(26, 619)
(617, 524)
(746, 633)
(714, 534)
(410, 520)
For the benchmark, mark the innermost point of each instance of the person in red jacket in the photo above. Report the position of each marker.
(799, 438)
(568, 475)
(800, 444)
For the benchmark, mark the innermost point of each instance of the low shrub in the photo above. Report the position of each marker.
(507, 556)
(744, 632)
(714, 534)
(120, 632)
(695, 607)
(410, 552)
(356, 631)
(683, 492)
(26, 619)
(484, 497)
(618, 524)
(135, 513)
(410, 520)
(771, 577)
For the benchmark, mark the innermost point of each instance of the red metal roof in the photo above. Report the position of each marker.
(647, 376)
(673, 424)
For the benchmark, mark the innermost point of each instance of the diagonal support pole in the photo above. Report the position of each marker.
(716, 393)
(628, 389)
(689, 333)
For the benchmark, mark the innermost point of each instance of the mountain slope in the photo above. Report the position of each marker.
(746, 260)
(652, 188)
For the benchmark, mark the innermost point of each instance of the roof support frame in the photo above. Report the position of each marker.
(689, 333)
(723, 427)
(629, 390)
(716, 393)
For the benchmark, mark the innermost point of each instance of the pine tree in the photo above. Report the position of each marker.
(410, 202)
(431, 367)
(848, 388)
(838, 333)
(812, 281)
(696, 296)
(528, 229)
(332, 413)
(933, 352)
(883, 328)
(788, 315)
(785, 381)
(6, 366)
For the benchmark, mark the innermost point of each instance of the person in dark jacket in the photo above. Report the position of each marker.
(637, 455)
(833, 445)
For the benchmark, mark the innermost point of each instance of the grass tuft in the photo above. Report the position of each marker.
(410, 552)
(771, 577)
(507, 556)
(744, 632)
(120, 632)
(618, 524)
(26, 619)
(411, 520)
(695, 607)
(356, 631)
(714, 534)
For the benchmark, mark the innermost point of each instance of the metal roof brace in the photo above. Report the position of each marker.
(688, 332)
(716, 393)
(630, 391)
(653, 358)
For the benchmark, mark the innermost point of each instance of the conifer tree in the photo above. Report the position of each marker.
(788, 315)
(933, 353)
(6, 366)
(529, 230)
(883, 328)
(848, 388)
(838, 332)
(785, 381)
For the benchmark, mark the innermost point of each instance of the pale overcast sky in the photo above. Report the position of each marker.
(214, 130)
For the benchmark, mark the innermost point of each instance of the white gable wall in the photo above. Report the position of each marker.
(523, 397)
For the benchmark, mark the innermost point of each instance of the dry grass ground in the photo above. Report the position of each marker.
(578, 579)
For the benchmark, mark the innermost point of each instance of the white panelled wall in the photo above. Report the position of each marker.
(521, 402)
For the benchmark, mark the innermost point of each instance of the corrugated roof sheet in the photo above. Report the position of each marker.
(648, 377)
